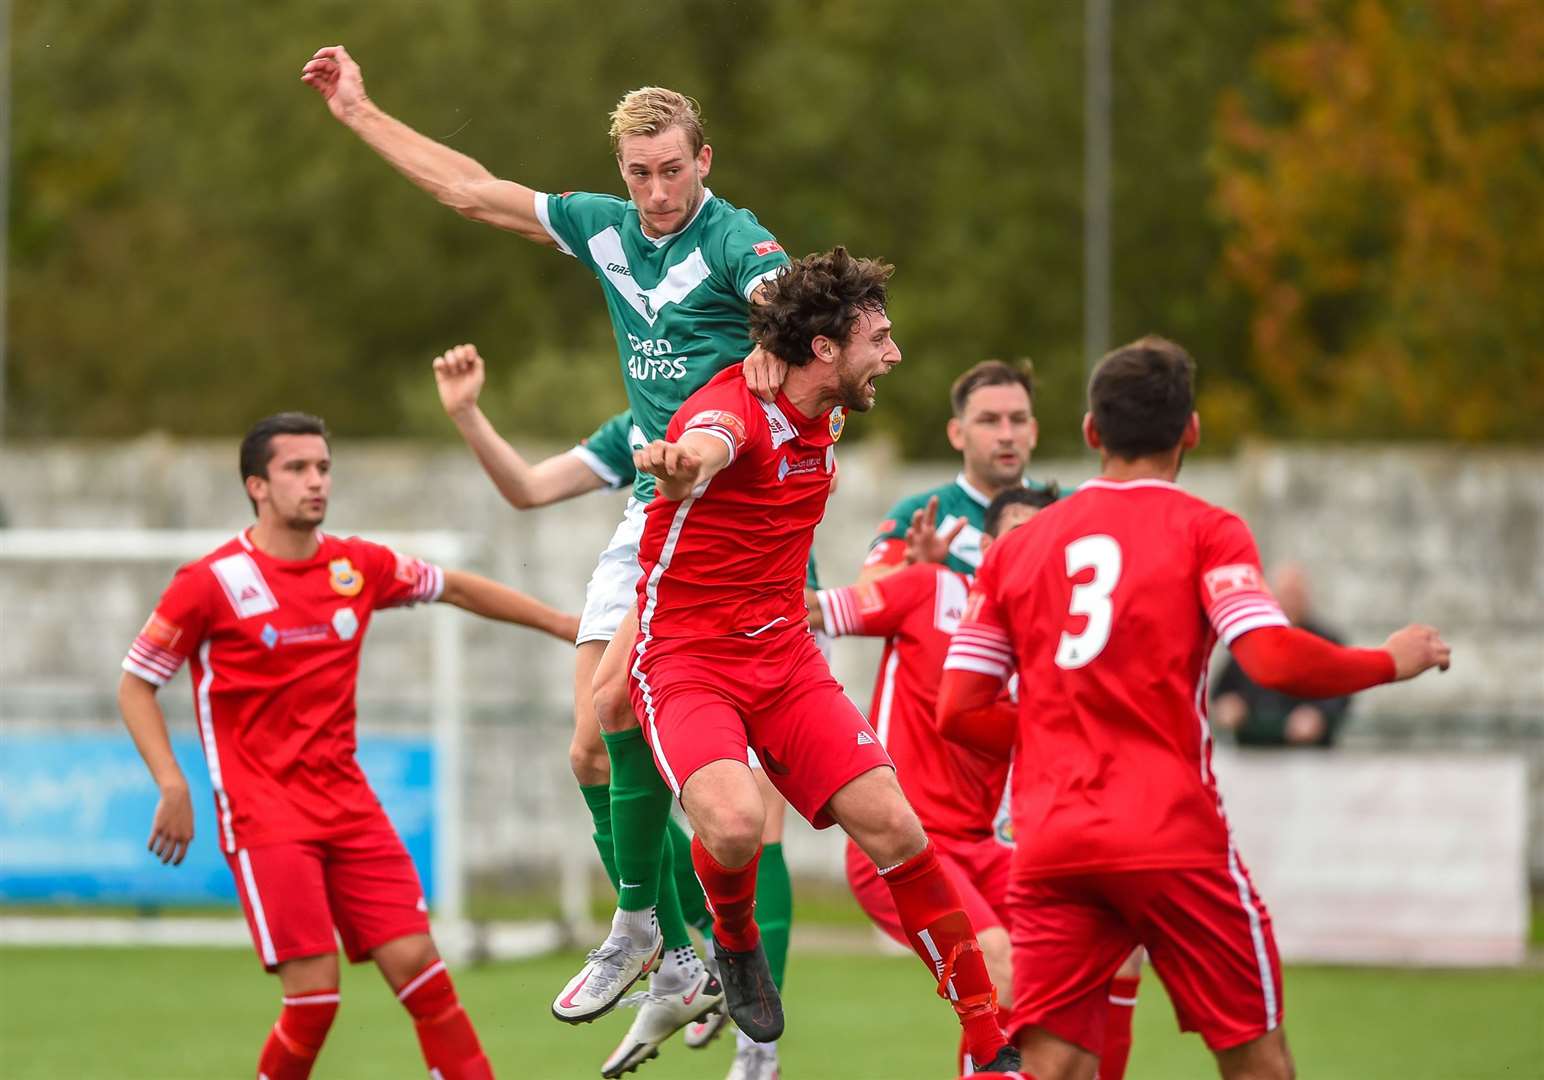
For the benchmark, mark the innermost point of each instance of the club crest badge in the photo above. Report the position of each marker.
(838, 422)
(346, 581)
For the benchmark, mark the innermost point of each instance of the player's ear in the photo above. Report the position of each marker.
(1090, 433)
(1192, 435)
(257, 489)
(704, 161)
(1034, 433)
(956, 432)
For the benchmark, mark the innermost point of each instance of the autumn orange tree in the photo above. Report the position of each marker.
(1381, 181)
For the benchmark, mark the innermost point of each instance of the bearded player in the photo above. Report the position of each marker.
(679, 268)
(272, 623)
(725, 661)
(1107, 606)
(605, 460)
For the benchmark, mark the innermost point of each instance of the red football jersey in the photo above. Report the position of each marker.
(955, 790)
(274, 649)
(731, 558)
(1108, 605)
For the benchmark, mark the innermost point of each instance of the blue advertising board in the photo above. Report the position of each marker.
(75, 813)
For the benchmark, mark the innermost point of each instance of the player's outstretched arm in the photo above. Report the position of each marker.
(459, 375)
(453, 178)
(971, 711)
(1293, 661)
(480, 596)
(171, 830)
(680, 467)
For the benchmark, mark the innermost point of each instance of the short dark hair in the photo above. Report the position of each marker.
(1141, 397)
(819, 295)
(257, 445)
(1039, 498)
(992, 373)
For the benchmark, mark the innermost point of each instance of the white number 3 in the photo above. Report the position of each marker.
(1090, 598)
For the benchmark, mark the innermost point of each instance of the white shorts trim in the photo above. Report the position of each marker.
(613, 588)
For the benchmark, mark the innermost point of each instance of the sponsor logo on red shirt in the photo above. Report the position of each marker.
(767, 247)
(1224, 581)
(161, 632)
(719, 418)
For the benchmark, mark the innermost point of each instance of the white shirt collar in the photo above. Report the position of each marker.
(965, 485)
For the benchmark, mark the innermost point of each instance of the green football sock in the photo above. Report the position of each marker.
(598, 798)
(694, 905)
(774, 909)
(672, 926)
(640, 806)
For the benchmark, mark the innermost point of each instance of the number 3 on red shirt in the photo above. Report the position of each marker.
(1090, 598)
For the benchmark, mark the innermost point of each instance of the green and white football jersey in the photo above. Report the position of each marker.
(609, 450)
(678, 304)
(955, 501)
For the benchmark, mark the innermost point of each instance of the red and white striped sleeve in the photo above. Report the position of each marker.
(173, 631)
(982, 643)
(412, 581)
(878, 608)
(722, 423)
(1233, 590)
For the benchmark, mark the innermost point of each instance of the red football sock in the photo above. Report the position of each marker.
(1117, 1028)
(445, 1034)
(297, 1038)
(731, 896)
(940, 933)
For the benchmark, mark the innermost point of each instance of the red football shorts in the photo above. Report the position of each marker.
(1206, 930)
(978, 869)
(363, 883)
(705, 699)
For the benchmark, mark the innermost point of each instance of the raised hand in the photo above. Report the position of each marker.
(924, 543)
(458, 375)
(333, 74)
(1417, 648)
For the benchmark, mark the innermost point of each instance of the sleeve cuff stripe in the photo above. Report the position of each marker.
(165, 664)
(543, 215)
(759, 278)
(1242, 600)
(829, 613)
(720, 433)
(153, 677)
(1252, 611)
(593, 462)
(977, 636)
(967, 648)
(1243, 626)
(980, 667)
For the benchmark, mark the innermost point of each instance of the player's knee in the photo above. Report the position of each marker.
(589, 762)
(613, 705)
(733, 836)
(893, 833)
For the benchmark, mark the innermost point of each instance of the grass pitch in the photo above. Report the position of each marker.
(164, 1014)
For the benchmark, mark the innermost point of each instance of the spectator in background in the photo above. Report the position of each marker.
(1260, 717)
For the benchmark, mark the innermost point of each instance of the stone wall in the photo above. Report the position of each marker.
(1447, 536)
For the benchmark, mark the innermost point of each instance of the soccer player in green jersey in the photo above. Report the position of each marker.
(994, 430)
(679, 268)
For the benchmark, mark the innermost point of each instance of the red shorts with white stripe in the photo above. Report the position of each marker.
(363, 883)
(1206, 930)
(979, 870)
(710, 698)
